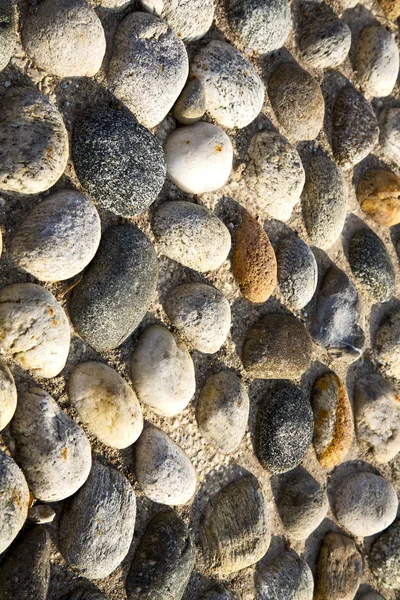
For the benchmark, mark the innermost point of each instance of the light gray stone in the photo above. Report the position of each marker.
(8, 395)
(189, 19)
(14, 500)
(297, 271)
(285, 577)
(384, 558)
(377, 61)
(8, 33)
(387, 344)
(325, 42)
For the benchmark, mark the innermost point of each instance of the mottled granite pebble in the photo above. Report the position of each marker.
(387, 344)
(8, 395)
(324, 42)
(297, 271)
(285, 576)
(191, 104)
(389, 127)
(377, 61)
(384, 558)
(189, 19)
(8, 33)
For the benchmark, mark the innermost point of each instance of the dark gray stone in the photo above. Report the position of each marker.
(384, 559)
(218, 593)
(8, 31)
(297, 271)
(81, 594)
(324, 42)
(286, 577)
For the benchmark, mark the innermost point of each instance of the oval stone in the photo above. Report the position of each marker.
(389, 128)
(324, 42)
(378, 193)
(384, 557)
(285, 576)
(14, 500)
(8, 32)
(387, 344)
(297, 271)
(377, 61)
(8, 395)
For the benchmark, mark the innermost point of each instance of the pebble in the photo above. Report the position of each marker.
(199, 158)
(84, 594)
(191, 104)
(371, 596)
(261, 26)
(25, 570)
(97, 523)
(284, 429)
(190, 20)
(14, 500)
(286, 576)
(234, 530)
(377, 61)
(8, 395)
(164, 560)
(371, 265)
(162, 371)
(8, 33)
(223, 411)
(65, 38)
(324, 202)
(148, 68)
(390, 134)
(274, 174)
(106, 404)
(384, 558)
(378, 193)
(325, 42)
(65, 219)
(192, 235)
(41, 513)
(119, 163)
(297, 101)
(163, 470)
(302, 503)
(355, 129)
(116, 289)
(391, 8)
(234, 92)
(297, 271)
(52, 450)
(35, 329)
(365, 503)
(201, 314)
(333, 420)
(218, 592)
(377, 417)
(33, 156)
(277, 347)
(387, 344)
(339, 568)
(253, 261)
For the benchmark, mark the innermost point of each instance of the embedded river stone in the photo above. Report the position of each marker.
(8, 32)
(378, 193)
(324, 41)
(8, 395)
(286, 576)
(387, 344)
(377, 61)
(190, 20)
(297, 271)
(14, 500)
(384, 558)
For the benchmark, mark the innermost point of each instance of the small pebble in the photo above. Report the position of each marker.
(286, 576)
(377, 61)
(391, 8)
(325, 42)
(8, 395)
(387, 344)
(218, 593)
(189, 19)
(14, 500)
(41, 513)
(191, 104)
(84, 594)
(384, 558)
(297, 271)
(378, 193)
(8, 32)
(389, 128)
(371, 596)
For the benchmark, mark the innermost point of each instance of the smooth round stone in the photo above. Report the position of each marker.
(365, 503)
(64, 220)
(325, 42)
(163, 469)
(324, 202)
(371, 265)
(378, 193)
(34, 154)
(254, 261)
(286, 576)
(191, 104)
(192, 235)
(106, 404)
(96, 524)
(389, 128)
(284, 429)
(223, 411)
(162, 371)
(333, 420)
(8, 395)
(25, 571)
(201, 314)
(116, 289)
(190, 20)
(234, 531)
(277, 347)
(41, 513)
(384, 558)
(377, 417)
(119, 163)
(274, 174)
(234, 92)
(199, 158)
(355, 129)
(163, 561)
(297, 101)
(52, 450)
(65, 38)
(35, 329)
(148, 68)
(297, 271)
(14, 500)
(302, 503)
(339, 568)
(387, 344)
(8, 32)
(377, 61)
(261, 26)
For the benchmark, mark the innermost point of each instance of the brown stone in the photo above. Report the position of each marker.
(339, 568)
(254, 262)
(391, 8)
(378, 193)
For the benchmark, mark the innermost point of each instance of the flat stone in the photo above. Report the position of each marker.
(14, 500)
(378, 193)
(286, 576)
(190, 20)
(389, 128)
(8, 33)
(191, 104)
(387, 344)
(8, 395)
(297, 271)
(377, 61)
(384, 558)
(324, 42)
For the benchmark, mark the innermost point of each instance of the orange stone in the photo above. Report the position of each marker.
(378, 193)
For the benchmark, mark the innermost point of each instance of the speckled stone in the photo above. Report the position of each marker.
(297, 101)
(234, 92)
(377, 61)
(387, 344)
(191, 104)
(285, 576)
(8, 395)
(8, 33)
(371, 265)
(384, 558)
(253, 261)
(333, 420)
(391, 8)
(223, 411)
(14, 500)
(389, 127)
(164, 560)
(277, 347)
(234, 531)
(119, 163)
(378, 193)
(261, 26)
(324, 42)
(355, 129)
(116, 289)
(284, 429)
(189, 19)
(297, 271)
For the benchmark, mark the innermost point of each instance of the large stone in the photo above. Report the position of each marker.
(387, 344)
(384, 558)
(324, 41)
(14, 500)
(285, 577)
(297, 271)
(8, 395)
(377, 61)
(378, 193)
(8, 32)
(190, 20)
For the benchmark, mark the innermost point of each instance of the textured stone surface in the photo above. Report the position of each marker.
(391, 8)
(387, 344)
(371, 596)
(389, 140)
(377, 61)
(218, 592)
(297, 271)
(384, 558)
(107, 498)
(8, 33)
(324, 42)
(84, 594)
(116, 289)
(191, 104)
(14, 500)
(378, 193)
(8, 395)
(285, 577)
(189, 19)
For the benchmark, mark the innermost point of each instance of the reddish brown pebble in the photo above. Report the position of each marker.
(339, 568)
(378, 193)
